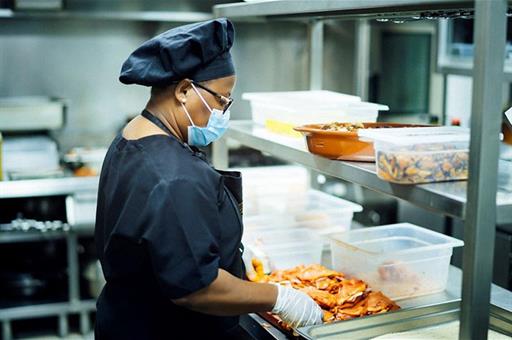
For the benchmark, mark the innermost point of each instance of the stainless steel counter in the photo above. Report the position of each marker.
(48, 187)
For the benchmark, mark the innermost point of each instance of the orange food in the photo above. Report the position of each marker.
(340, 297)
(324, 299)
(350, 291)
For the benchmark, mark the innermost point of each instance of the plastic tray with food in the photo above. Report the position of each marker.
(341, 141)
(423, 155)
(341, 297)
(402, 260)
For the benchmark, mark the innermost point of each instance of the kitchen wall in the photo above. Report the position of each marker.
(79, 60)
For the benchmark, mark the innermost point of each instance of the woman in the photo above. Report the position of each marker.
(168, 228)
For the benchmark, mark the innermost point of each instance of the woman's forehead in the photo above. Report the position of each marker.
(222, 85)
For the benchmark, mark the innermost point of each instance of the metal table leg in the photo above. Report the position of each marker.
(73, 270)
(6, 330)
(85, 325)
(63, 325)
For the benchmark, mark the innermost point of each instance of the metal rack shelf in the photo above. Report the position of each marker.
(46, 309)
(30, 236)
(478, 203)
(447, 198)
(296, 9)
(148, 16)
(58, 309)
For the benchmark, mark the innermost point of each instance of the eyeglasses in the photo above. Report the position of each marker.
(225, 101)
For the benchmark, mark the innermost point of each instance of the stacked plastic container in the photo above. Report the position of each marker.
(401, 260)
(420, 155)
(280, 112)
(286, 222)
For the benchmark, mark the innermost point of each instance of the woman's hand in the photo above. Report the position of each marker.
(296, 308)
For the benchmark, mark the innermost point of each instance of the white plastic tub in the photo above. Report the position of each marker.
(272, 180)
(420, 155)
(285, 248)
(313, 207)
(401, 260)
(280, 112)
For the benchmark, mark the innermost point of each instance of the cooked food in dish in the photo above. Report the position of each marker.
(423, 166)
(340, 297)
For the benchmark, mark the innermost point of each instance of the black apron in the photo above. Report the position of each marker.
(232, 179)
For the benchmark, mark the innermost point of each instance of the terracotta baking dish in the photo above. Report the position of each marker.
(344, 145)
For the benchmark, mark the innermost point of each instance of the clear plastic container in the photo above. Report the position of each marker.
(284, 249)
(280, 112)
(271, 180)
(420, 155)
(313, 207)
(401, 260)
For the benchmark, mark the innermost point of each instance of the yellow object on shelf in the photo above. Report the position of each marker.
(282, 128)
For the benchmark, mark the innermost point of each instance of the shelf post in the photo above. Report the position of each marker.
(480, 224)
(362, 58)
(316, 54)
(316, 69)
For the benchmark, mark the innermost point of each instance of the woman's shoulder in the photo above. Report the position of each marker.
(171, 161)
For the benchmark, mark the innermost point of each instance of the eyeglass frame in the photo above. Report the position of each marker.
(217, 95)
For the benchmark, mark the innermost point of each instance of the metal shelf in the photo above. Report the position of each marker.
(337, 8)
(30, 236)
(46, 309)
(47, 187)
(447, 198)
(154, 16)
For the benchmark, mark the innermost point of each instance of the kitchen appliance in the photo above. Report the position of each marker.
(23, 114)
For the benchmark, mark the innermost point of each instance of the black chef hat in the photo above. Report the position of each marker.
(197, 51)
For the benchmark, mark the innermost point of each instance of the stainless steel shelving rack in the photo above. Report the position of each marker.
(477, 203)
(146, 16)
(74, 304)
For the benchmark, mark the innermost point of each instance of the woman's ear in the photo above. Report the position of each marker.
(181, 90)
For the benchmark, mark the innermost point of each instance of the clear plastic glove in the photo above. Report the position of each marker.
(249, 268)
(296, 308)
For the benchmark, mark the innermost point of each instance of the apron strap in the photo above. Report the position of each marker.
(155, 120)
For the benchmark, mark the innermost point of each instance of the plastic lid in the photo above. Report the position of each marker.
(419, 135)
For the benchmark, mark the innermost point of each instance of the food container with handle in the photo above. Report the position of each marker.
(340, 145)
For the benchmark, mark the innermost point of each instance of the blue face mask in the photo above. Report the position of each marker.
(216, 127)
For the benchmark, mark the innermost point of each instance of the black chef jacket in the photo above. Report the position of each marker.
(165, 224)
